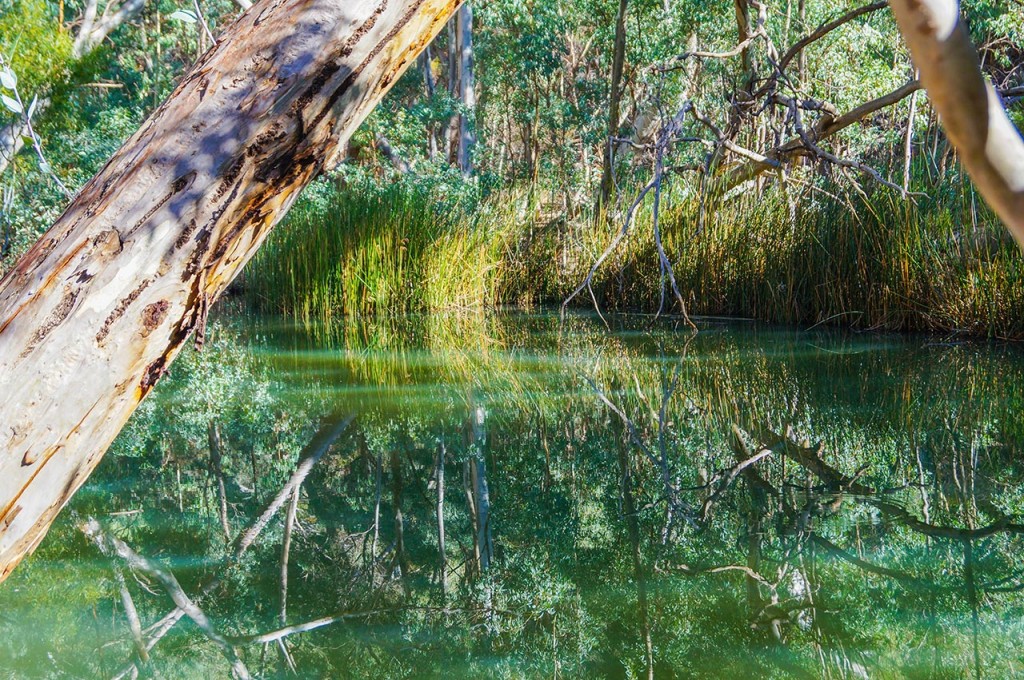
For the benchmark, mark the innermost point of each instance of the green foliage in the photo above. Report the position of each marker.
(369, 249)
(837, 257)
(37, 48)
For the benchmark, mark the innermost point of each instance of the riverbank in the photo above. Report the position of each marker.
(938, 263)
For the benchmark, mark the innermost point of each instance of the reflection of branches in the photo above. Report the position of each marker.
(836, 551)
(112, 545)
(213, 436)
(810, 459)
(325, 437)
(660, 462)
(314, 451)
(305, 627)
(726, 478)
(698, 571)
(806, 457)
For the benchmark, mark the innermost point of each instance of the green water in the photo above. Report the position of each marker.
(878, 533)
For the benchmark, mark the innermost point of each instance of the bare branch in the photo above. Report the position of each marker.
(795, 146)
(334, 426)
(990, 146)
(825, 29)
(758, 32)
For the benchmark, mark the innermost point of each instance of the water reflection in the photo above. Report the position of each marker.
(516, 497)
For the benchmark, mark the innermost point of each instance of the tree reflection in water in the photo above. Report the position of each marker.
(520, 498)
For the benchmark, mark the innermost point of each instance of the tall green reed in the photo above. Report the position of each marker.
(839, 256)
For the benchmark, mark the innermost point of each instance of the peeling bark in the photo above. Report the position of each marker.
(990, 146)
(94, 314)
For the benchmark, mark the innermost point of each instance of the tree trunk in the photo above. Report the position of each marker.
(801, 64)
(480, 489)
(742, 35)
(429, 85)
(629, 514)
(92, 316)
(908, 142)
(397, 488)
(452, 131)
(213, 435)
(441, 552)
(286, 548)
(467, 88)
(990, 146)
(12, 140)
(614, 99)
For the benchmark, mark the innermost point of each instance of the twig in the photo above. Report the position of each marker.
(202, 22)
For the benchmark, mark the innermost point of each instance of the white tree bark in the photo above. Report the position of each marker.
(989, 145)
(95, 30)
(12, 140)
(467, 88)
(92, 316)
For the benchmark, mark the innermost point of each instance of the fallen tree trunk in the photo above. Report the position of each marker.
(92, 316)
(990, 146)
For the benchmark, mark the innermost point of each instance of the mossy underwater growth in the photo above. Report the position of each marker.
(940, 262)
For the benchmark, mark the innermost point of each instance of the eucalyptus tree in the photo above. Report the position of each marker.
(93, 315)
(96, 312)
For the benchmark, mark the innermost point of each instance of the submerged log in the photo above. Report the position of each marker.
(94, 314)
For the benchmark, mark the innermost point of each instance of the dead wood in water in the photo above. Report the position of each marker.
(332, 427)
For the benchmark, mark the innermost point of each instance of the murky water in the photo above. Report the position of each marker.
(639, 502)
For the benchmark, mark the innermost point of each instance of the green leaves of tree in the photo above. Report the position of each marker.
(12, 104)
(8, 79)
(187, 16)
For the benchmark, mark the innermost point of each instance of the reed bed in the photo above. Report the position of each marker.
(839, 257)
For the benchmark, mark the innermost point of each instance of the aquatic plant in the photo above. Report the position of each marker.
(875, 261)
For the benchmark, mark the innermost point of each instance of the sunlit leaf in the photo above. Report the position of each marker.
(11, 104)
(184, 15)
(8, 79)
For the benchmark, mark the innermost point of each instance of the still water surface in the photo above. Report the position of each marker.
(523, 497)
